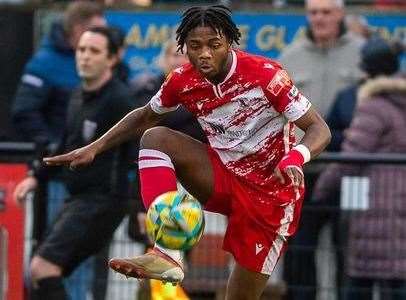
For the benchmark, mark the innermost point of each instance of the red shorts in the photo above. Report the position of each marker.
(258, 224)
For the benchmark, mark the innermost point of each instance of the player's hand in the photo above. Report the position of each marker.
(294, 173)
(74, 159)
(23, 188)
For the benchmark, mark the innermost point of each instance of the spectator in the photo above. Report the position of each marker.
(40, 107)
(322, 62)
(377, 58)
(99, 194)
(376, 235)
(39, 110)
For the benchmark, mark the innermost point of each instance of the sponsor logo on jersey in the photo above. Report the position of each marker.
(217, 128)
(243, 101)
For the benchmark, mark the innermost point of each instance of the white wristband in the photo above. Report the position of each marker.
(304, 151)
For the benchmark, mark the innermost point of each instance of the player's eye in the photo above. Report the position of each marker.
(94, 50)
(216, 46)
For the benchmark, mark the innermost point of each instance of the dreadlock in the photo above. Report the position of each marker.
(218, 17)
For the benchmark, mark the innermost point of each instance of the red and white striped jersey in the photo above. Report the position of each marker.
(247, 118)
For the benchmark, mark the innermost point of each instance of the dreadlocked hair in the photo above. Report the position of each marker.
(218, 17)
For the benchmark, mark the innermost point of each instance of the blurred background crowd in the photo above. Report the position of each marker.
(347, 57)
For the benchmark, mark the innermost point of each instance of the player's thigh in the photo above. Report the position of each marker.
(189, 156)
(245, 285)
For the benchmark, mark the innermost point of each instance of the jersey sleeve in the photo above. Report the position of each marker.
(167, 98)
(283, 94)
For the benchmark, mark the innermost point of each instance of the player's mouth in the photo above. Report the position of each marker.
(84, 67)
(205, 68)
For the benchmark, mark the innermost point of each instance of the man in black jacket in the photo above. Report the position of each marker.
(98, 195)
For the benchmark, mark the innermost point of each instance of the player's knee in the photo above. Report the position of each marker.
(155, 138)
(42, 268)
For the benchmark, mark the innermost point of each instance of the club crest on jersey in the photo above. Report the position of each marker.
(278, 82)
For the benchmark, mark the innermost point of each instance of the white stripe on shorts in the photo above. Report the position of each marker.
(273, 255)
(275, 251)
(287, 219)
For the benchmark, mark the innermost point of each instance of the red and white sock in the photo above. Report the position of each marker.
(157, 175)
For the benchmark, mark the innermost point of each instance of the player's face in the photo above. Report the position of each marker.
(208, 51)
(324, 17)
(92, 58)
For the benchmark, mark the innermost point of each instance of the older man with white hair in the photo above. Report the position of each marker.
(321, 62)
(326, 58)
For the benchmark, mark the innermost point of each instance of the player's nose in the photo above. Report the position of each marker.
(206, 53)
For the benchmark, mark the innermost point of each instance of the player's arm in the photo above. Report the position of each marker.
(316, 138)
(131, 126)
(317, 134)
(288, 100)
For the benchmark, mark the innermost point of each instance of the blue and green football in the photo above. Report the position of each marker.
(175, 220)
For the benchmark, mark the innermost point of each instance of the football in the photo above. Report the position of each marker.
(175, 220)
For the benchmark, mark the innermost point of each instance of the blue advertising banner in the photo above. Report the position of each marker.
(264, 34)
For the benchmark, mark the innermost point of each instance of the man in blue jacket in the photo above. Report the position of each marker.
(39, 109)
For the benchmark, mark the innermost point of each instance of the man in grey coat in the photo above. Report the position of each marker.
(324, 59)
(321, 62)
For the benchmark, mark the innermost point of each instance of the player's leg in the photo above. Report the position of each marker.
(165, 157)
(47, 274)
(245, 285)
(256, 235)
(46, 279)
(188, 156)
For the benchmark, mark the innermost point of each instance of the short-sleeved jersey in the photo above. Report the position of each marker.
(247, 118)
